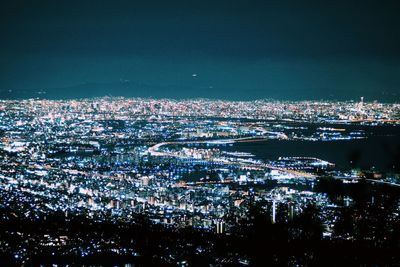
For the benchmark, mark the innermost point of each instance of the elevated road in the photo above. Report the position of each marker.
(154, 151)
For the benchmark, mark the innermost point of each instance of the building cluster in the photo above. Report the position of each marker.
(115, 158)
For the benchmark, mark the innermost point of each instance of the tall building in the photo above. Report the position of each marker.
(273, 211)
(220, 225)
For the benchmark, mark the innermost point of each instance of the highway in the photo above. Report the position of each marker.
(154, 151)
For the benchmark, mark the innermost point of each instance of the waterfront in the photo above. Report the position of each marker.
(73, 170)
(381, 152)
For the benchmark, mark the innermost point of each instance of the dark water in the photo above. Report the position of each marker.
(380, 150)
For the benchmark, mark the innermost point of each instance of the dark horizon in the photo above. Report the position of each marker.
(216, 49)
(128, 89)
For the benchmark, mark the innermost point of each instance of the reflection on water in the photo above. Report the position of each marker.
(380, 150)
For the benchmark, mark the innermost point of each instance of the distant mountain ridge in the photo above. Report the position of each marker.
(136, 89)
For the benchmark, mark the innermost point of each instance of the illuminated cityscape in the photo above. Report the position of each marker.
(199, 133)
(185, 165)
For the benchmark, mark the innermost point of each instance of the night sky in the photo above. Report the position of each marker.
(291, 50)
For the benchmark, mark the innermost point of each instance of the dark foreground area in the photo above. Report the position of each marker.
(364, 235)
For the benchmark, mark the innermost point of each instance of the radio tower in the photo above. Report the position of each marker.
(361, 104)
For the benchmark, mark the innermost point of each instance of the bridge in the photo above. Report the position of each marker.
(154, 151)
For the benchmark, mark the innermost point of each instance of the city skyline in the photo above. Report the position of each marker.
(109, 181)
(199, 133)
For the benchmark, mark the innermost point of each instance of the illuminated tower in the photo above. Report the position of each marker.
(273, 211)
(291, 211)
(220, 226)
